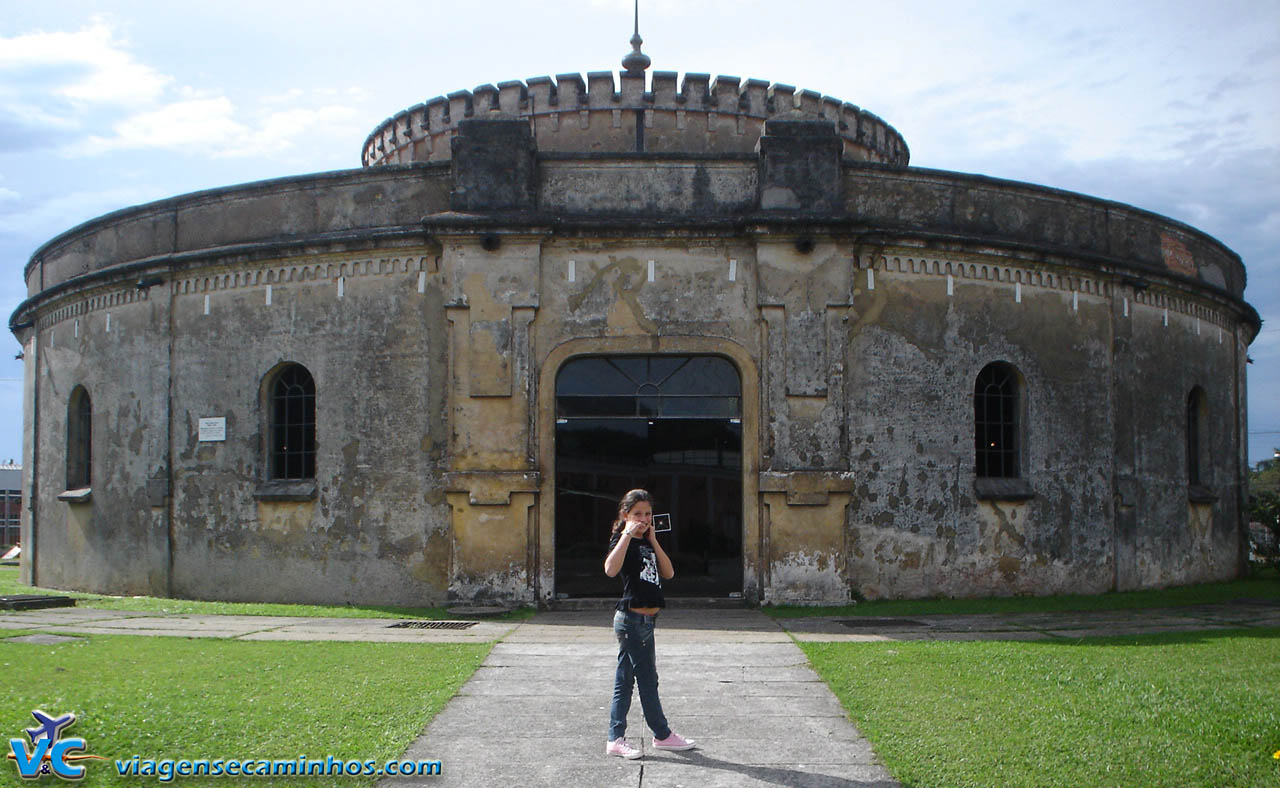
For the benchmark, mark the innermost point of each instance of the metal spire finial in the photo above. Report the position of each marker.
(636, 61)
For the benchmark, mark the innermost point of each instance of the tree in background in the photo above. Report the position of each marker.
(1264, 510)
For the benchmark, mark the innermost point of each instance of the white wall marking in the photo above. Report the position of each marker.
(650, 270)
(268, 295)
(733, 270)
(573, 270)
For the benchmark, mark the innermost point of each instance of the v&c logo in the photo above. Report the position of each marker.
(50, 753)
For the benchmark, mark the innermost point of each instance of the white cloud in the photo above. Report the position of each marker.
(78, 83)
(212, 126)
(89, 66)
(187, 123)
(281, 129)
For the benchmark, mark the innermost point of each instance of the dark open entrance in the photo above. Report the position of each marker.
(669, 424)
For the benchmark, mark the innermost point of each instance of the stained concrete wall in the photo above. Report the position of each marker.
(114, 542)
(377, 529)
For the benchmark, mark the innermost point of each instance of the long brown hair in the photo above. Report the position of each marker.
(626, 504)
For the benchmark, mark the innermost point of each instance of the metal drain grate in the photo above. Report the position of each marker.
(871, 623)
(432, 625)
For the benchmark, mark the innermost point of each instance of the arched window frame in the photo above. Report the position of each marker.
(1194, 431)
(1197, 447)
(79, 440)
(291, 424)
(1000, 433)
(997, 422)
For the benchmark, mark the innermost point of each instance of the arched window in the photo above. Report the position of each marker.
(1195, 435)
(79, 440)
(997, 422)
(292, 434)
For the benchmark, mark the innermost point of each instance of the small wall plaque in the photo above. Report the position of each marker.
(213, 429)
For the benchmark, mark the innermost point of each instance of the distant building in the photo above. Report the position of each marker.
(431, 378)
(10, 503)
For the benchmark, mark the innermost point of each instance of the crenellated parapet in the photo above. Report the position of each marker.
(614, 113)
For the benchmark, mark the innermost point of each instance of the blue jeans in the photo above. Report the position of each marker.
(637, 663)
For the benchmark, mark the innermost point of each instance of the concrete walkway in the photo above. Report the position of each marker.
(536, 713)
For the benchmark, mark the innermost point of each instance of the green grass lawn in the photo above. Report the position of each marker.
(9, 586)
(1185, 710)
(1264, 584)
(211, 698)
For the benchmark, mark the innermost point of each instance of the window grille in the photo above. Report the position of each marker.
(293, 424)
(997, 442)
(642, 387)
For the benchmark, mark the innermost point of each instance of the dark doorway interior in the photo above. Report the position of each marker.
(669, 424)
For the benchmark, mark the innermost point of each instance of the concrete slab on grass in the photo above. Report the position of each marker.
(43, 640)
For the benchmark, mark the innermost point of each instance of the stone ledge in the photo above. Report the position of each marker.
(995, 489)
(491, 488)
(807, 488)
(286, 490)
(1199, 494)
(78, 495)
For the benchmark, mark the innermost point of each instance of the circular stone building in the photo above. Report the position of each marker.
(430, 379)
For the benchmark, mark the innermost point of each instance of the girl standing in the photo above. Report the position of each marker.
(634, 553)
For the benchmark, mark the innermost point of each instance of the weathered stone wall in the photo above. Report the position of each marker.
(377, 529)
(918, 528)
(115, 542)
(1162, 537)
(434, 306)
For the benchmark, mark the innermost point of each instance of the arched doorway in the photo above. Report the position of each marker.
(671, 424)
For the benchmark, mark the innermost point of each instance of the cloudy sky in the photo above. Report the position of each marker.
(1170, 106)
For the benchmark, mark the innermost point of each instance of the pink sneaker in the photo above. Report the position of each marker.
(620, 748)
(674, 742)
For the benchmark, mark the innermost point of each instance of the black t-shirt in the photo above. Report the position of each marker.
(641, 583)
